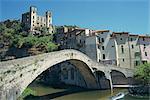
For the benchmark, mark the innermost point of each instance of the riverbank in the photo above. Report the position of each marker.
(45, 92)
(142, 91)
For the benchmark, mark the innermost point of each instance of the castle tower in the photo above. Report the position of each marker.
(48, 19)
(33, 17)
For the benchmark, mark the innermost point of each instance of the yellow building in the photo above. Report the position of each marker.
(33, 21)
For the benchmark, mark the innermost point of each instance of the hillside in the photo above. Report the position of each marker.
(16, 41)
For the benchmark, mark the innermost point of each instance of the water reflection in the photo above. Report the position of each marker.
(45, 92)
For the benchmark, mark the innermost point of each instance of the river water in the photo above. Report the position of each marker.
(82, 95)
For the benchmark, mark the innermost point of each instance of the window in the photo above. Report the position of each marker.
(80, 41)
(33, 24)
(72, 73)
(99, 40)
(112, 46)
(33, 11)
(33, 21)
(132, 46)
(131, 39)
(144, 46)
(120, 38)
(145, 53)
(136, 63)
(103, 56)
(98, 46)
(102, 39)
(99, 60)
(137, 54)
(33, 17)
(144, 62)
(122, 49)
(143, 39)
(102, 47)
(123, 60)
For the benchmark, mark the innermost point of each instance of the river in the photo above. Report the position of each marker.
(61, 94)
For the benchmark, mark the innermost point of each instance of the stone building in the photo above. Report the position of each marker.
(118, 48)
(32, 20)
(101, 47)
(144, 43)
(134, 50)
(123, 49)
(61, 35)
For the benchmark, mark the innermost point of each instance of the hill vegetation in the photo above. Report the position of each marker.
(13, 34)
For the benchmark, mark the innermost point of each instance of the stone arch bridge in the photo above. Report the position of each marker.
(16, 75)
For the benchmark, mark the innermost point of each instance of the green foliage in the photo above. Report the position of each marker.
(45, 42)
(27, 92)
(142, 73)
(13, 33)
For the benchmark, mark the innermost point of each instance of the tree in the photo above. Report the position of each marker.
(142, 73)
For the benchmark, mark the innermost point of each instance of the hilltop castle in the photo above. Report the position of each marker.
(32, 20)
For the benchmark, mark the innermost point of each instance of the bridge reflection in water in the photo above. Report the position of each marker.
(60, 94)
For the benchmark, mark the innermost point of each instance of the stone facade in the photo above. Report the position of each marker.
(144, 43)
(33, 21)
(105, 47)
(116, 48)
(123, 49)
(134, 50)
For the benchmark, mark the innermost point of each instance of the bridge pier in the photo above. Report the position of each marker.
(108, 76)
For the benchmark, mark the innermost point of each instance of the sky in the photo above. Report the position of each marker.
(116, 15)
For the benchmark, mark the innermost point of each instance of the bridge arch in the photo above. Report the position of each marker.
(118, 78)
(16, 75)
(31, 67)
(102, 79)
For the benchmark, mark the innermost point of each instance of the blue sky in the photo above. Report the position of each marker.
(116, 15)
